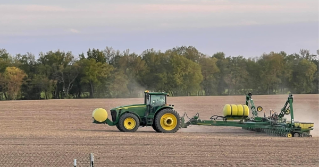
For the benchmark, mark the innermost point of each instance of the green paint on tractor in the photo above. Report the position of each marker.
(154, 112)
(163, 118)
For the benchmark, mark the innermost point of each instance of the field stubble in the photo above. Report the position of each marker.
(54, 132)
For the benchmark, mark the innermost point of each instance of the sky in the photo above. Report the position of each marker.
(236, 27)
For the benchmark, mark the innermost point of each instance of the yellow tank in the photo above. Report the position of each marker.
(99, 115)
(227, 110)
(233, 110)
(246, 110)
(240, 110)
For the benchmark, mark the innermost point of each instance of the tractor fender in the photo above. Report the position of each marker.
(161, 108)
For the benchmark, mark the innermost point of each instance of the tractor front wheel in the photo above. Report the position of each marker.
(128, 123)
(167, 121)
(118, 127)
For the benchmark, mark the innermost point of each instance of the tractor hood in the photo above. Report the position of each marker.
(129, 106)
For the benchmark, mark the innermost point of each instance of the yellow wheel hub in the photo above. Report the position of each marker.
(168, 121)
(129, 123)
(289, 135)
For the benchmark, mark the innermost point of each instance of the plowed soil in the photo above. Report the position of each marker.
(55, 132)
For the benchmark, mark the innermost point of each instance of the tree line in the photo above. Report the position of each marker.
(180, 71)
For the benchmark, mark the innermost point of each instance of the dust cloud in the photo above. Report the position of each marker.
(304, 113)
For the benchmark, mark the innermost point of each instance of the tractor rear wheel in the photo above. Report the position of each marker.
(167, 121)
(128, 123)
(153, 126)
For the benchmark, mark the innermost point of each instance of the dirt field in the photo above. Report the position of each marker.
(54, 132)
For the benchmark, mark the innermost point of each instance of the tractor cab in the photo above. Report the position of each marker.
(154, 100)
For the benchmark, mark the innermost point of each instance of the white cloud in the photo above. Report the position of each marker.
(74, 30)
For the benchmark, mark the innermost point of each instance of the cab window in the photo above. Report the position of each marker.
(158, 100)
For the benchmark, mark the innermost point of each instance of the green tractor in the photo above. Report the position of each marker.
(154, 112)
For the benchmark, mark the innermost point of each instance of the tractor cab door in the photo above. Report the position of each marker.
(153, 102)
(148, 104)
(156, 102)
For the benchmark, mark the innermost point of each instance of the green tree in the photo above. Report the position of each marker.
(70, 73)
(303, 76)
(237, 76)
(189, 52)
(94, 73)
(209, 70)
(5, 60)
(134, 67)
(155, 75)
(254, 71)
(315, 82)
(59, 67)
(11, 81)
(223, 65)
(97, 55)
(31, 86)
(185, 75)
(272, 70)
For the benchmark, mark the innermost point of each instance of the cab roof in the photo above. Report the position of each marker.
(156, 93)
